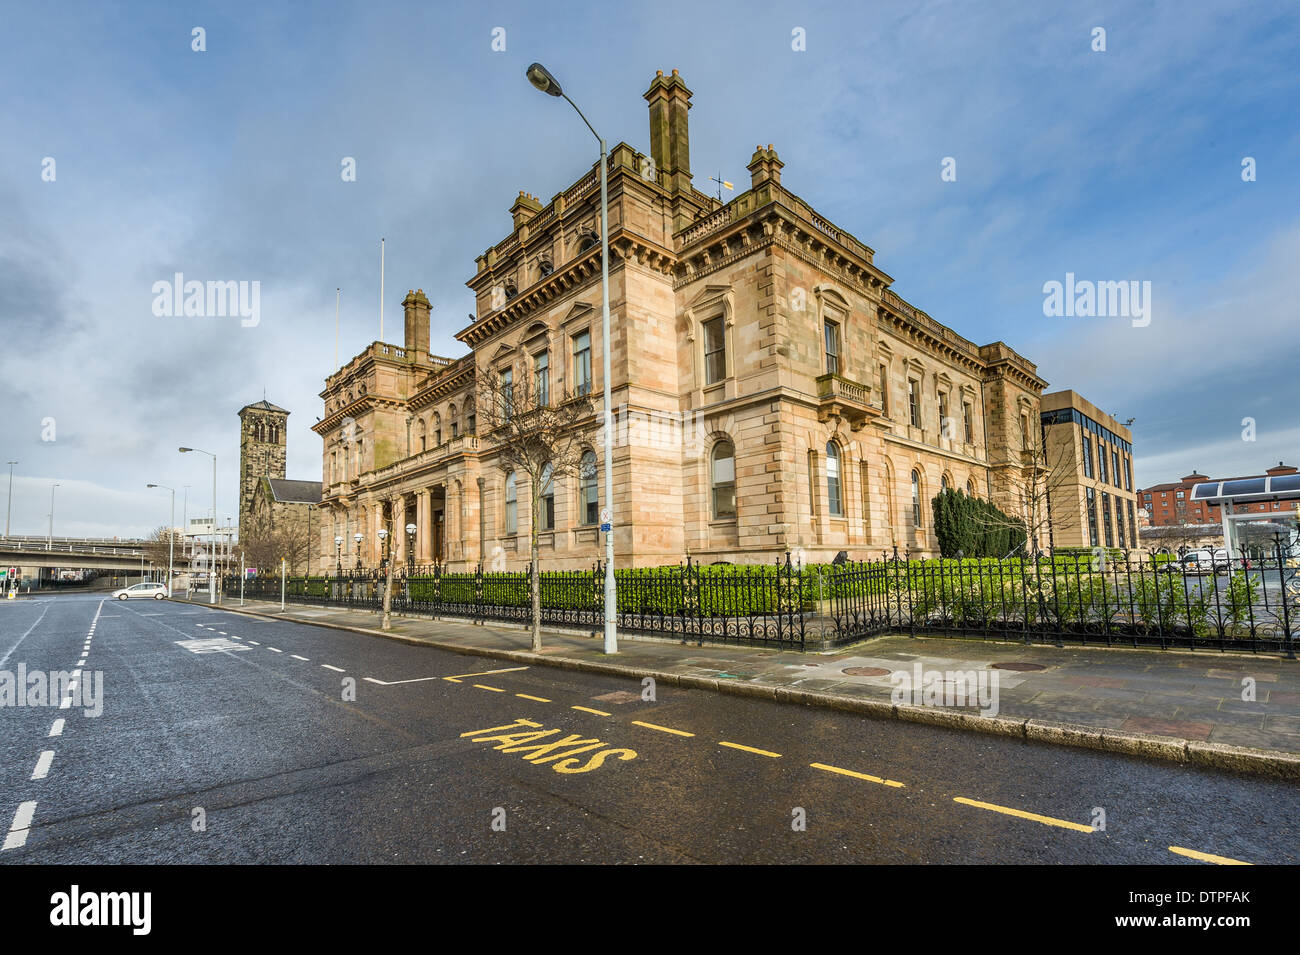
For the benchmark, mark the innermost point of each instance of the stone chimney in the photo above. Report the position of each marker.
(416, 306)
(670, 140)
(525, 208)
(765, 166)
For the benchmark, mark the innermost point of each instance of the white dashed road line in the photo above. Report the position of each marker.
(57, 728)
(43, 764)
(296, 657)
(335, 669)
(21, 825)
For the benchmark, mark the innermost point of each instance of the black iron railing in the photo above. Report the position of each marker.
(1107, 598)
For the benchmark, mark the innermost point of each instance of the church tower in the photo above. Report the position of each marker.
(262, 446)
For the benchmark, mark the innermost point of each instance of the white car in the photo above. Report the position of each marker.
(154, 590)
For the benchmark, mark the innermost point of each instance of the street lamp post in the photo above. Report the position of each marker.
(212, 559)
(358, 537)
(410, 549)
(544, 81)
(49, 541)
(171, 536)
(338, 555)
(10, 506)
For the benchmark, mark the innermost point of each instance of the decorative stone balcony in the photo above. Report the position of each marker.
(842, 397)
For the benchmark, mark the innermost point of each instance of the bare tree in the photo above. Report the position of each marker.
(164, 543)
(539, 433)
(1037, 475)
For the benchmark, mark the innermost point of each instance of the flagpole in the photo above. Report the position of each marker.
(381, 289)
(338, 292)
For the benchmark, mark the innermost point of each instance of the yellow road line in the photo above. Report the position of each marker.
(662, 729)
(849, 772)
(535, 699)
(1206, 857)
(494, 689)
(587, 709)
(461, 676)
(749, 749)
(1021, 814)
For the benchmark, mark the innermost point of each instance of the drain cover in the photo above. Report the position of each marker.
(1023, 667)
(865, 671)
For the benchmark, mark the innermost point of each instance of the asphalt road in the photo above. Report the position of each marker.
(249, 750)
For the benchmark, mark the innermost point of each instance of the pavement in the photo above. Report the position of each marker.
(230, 738)
(1235, 712)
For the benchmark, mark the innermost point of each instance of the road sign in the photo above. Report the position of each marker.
(605, 515)
(604, 528)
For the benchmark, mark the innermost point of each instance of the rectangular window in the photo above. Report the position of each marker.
(945, 426)
(914, 401)
(715, 352)
(1132, 526)
(1114, 467)
(1092, 516)
(832, 336)
(1128, 475)
(969, 422)
(542, 378)
(582, 363)
(883, 374)
(1101, 462)
(507, 395)
(812, 483)
(1105, 516)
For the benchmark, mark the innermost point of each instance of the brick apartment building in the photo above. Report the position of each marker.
(1171, 504)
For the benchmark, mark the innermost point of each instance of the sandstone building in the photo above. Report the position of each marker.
(772, 391)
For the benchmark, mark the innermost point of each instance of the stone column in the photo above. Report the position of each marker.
(423, 532)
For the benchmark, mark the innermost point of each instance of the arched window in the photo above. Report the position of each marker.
(546, 509)
(970, 487)
(512, 504)
(836, 502)
(437, 429)
(423, 431)
(916, 498)
(453, 421)
(588, 496)
(943, 482)
(723, 479)
(589, 241)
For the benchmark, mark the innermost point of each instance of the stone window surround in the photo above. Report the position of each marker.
(713, 302)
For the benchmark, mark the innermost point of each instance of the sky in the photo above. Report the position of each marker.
(224, 164)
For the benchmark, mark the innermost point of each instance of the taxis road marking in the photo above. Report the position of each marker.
(535, 699)
(588, 709)
(482, 686)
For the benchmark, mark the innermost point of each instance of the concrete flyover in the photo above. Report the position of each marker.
(34, 554)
